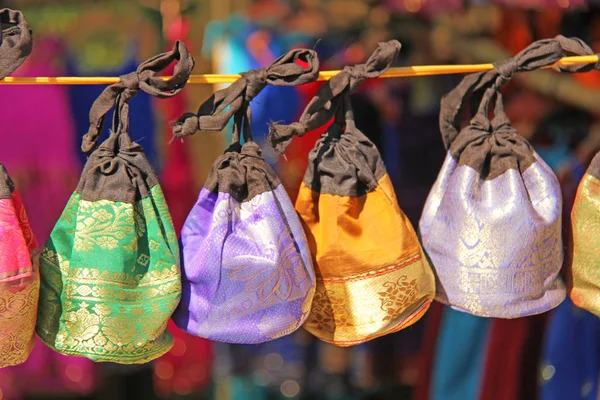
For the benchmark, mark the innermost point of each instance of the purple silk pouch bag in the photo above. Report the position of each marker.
(492, 222)
(247, 270)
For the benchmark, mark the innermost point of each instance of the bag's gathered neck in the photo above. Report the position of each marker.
(294, 68)
(146, 79)
(330, 96)
(16, 41)
(486, 85)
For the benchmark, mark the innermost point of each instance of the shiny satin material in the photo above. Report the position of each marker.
(372, 277)
(19, 282)
(585, 220)
(247, 271)
(495, 245)
(110, 280)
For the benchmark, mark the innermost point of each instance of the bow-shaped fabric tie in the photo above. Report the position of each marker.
(325, 103)
(15, 41)
(295, 68)
(541, 53)
(145, 79)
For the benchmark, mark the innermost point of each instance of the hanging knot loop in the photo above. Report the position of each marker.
(326, 102)
(506, 68)
(357, 74)
(256, 81)
(16, 41)
(281, 135)
(145, 79)
(294, 68)
(188, 126)
(131, 81)
(539, 54)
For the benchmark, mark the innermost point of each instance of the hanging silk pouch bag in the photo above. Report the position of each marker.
(247, 270)
(19, 276)
(372, 276)
(492, 222)
(110, 270)
(585, 222)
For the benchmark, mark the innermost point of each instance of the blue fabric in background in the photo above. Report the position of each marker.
(571, 360)
(459, 356)
(142, 121)
(274, 103)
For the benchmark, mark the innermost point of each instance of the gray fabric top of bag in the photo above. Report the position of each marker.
(344, 161)
(242, 171)
(118, 170)
(492, 148)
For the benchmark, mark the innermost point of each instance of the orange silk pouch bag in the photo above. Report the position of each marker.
(372, 276)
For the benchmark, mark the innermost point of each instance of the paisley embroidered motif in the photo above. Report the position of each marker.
(18, 308)
(398, 296)
(329, 312)
(104, 223)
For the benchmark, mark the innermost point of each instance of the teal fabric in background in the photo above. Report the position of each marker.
(460, 355)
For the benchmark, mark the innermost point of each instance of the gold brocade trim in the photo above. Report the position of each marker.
(416, 315)
(351, 312)
(101, 331)
(117, 279)
(367, 275)
(18, 310)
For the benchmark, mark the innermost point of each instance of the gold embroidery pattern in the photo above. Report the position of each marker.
(110, 281)
(398, 296)
(496, 245)
(19, 284)
(350, 312)
(18, 308)
(105, 227)
(90, 325)
(329, 312)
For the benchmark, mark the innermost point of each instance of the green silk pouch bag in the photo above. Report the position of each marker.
(110, 276)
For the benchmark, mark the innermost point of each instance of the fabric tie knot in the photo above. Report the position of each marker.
(323, 107)
(294, 68)
(131, 81)
(506, 68)
(539, 54)
(357, 73)
(280, 136)
(190, 123)
(144, 79)
(256, 81)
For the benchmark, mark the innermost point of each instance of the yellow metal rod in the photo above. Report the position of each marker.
(421, 70)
